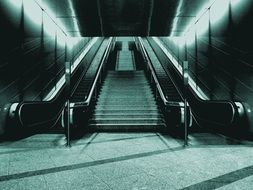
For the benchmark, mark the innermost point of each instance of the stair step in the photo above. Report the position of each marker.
(129, 121)
(118, 100)
(127, 127)
(122, 116)
(126, 102)
(126, 96)
(124, 91)
(126, 105)
(128, 72)
(126, 120)
(122, 74)
(126, 108)
(125, 85)
(126, 111)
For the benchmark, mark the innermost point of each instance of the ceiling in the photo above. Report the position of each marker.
(125, 17)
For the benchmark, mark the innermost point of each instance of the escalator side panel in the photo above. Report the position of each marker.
(31, 114)
(82, 90)
(216, 113)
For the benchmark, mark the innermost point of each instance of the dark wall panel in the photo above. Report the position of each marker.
(219, 51)
(33, 51)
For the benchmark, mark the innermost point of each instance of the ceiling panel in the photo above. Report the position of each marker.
(125, 17)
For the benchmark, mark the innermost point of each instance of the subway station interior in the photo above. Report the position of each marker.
(126, 94)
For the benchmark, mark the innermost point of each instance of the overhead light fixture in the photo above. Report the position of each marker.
(73, 13)
(175, 21)
(52, 26)
(200, 24)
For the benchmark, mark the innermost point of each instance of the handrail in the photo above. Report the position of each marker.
(200, 94)
(88, 99)
(74, 66)
(158, 86)
(233, 105)
(53, 96)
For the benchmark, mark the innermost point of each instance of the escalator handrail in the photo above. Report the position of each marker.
(94, 84)
(232, 104)
(38, 103)
(49, 101)
(158, 86)
(76, 64)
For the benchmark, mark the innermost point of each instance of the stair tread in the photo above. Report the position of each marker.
(126, 101)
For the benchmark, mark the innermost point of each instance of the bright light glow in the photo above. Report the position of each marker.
(202, 25)
(33, 12)
(49, 26)
(72, 41)
(176, 18)
(190, 36)
(49, 13)
(219, 10)
(179, 41)
(192, 83)
(204, 9)
(235, 2)
(52, 26)
(16, 3)
(74, 19)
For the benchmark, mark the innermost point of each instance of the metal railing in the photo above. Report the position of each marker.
(97, 77)
(157, 84)
(183, 107)
(237, 107)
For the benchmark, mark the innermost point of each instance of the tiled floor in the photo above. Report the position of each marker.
(132, 161)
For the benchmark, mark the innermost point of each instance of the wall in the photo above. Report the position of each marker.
(219, 51)
(33, 50)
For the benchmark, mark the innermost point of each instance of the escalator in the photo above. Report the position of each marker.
(44, 115)
(144, 94)
(85, 82)
(128, 97)
(167, 85)
(224, 115)
(125, 101)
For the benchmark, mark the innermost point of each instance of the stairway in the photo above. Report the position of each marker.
(125, 57)
(126, 103)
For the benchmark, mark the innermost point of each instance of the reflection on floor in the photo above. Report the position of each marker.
(126, 161)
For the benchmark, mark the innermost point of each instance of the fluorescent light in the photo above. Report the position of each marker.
(74, 19)
(52, 25)
(175, 21)
(219, 10)
(204, 9)
(16, 3)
